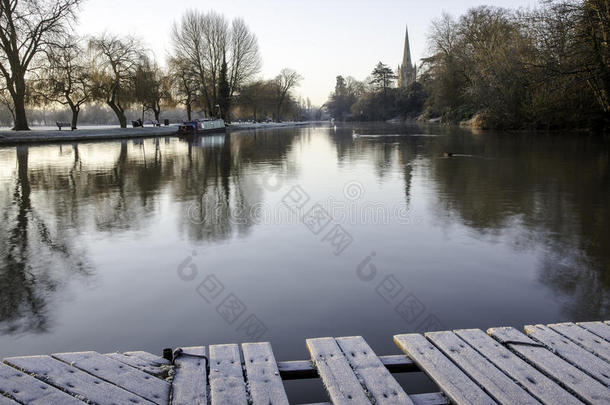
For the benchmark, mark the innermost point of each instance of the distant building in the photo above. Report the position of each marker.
(407, 72)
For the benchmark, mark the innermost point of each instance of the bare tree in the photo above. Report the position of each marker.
(65, 78)
(204, 41)
(284, 82)
(244, 57)
(152, 86)
(116, 62)
(184, 87)
(27, 28)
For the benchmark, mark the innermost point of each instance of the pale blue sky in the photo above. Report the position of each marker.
(319, 39)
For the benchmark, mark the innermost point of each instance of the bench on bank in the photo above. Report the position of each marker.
(61, 125)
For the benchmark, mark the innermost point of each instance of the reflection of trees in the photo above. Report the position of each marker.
(114, 187)
(221, 197)
(385, 151)
(555, 188)
(31, 248)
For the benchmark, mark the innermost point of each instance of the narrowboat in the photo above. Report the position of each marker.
(202, 126)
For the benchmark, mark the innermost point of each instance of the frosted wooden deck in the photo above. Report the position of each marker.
(566, 363)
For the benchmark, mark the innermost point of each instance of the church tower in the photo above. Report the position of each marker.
(407, 72)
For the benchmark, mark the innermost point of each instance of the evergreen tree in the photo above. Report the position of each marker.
(224, 92)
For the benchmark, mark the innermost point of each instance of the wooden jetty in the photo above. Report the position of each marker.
(563, 363)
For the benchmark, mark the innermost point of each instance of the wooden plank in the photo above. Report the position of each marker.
(152, 368)
(584, 338)
(7, 401)
(226, 376)
(452, 381)
(398, 363)
(571, 352)
(117, 373)
(74, 381)
(586, 388)
(300, 369)
(297, 369)
(189, 385)
(478, 368)
(264, 379)
(149, 357)
(600, 329)
(381, 387)
(434, 398)
(28, 390)
(536, 383)
(337, 376)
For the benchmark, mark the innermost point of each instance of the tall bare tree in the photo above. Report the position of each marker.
(204, 40)
(116, 62)
(65, 77)
(27, 28)
(284, 82)
(244, 57)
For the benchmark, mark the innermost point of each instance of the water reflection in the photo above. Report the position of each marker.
(33, 244)
(528, 200)
(546, 192)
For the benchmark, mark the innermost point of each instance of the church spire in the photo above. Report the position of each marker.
(407, 71)
(406, 58)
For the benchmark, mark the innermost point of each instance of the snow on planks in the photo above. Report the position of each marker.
(227, 384)
(337, 376)
(559, 363)
(491, 379)
(189, 385)
(264, 379)
(119, 374)
(583, 386)
(29, 390)
(460, 389)
(599, 328)
(584, 338)
(570, 351)
(380, 385)
(74, 381)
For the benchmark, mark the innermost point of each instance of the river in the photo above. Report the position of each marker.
(286, 234)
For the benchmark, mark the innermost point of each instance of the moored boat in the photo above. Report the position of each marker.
(202, 126)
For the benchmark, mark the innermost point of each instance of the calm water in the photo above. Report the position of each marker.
(293, 233)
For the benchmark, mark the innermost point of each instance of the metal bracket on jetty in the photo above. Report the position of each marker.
(563, 363)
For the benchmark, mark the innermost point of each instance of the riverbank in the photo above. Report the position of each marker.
(8, 137)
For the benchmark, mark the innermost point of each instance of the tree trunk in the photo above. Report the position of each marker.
(21, 121)
(188, 111)
(75, 111)
(120, 114)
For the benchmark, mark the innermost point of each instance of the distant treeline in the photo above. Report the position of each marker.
(212, 69)
(546, 68)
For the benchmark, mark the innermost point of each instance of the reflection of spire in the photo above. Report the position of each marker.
(407, 72)
(405, 159)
